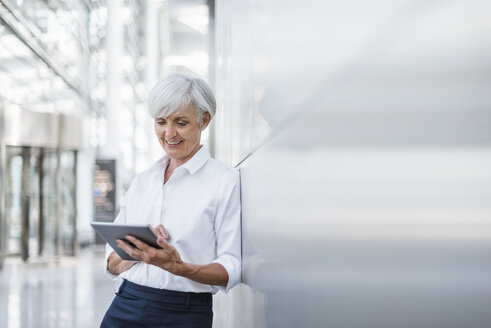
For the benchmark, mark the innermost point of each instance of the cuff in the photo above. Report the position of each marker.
(232, 266)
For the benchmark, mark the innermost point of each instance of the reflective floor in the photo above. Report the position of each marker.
(73, 293)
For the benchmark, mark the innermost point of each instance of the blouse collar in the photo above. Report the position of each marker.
(192, 165)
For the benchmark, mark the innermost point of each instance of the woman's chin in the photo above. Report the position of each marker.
(174, 153)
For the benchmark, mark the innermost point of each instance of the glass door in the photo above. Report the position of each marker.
(68, 210)
(32, 204)
(49, 203)
(34, 194)
(13, 200)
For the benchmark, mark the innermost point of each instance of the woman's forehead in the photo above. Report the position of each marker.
(188, 113)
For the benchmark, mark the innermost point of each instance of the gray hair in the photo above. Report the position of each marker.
(176, 92)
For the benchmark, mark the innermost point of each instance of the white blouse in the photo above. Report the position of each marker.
(199, 207)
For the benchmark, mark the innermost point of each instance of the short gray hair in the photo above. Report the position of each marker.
(176, 92)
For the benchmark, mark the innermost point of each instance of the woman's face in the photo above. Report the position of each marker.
(180, 134)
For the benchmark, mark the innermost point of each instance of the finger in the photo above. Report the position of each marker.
(124, 245)
(138, 243)
(130, 250)
(163, 243)
(156, 231)
(168, 249)
(163, 232)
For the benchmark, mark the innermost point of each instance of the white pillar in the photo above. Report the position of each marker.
(114, 81)
(157, 38)
(114, 49)
(152, 43)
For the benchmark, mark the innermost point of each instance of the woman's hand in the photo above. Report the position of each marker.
(169, 259)
(116, 265)
(159, 231)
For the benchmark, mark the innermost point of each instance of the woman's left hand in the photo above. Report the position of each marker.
(167, 257)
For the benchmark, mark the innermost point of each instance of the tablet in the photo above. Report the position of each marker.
(110, 232)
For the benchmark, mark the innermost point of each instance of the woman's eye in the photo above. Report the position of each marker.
(160, 122)
(181, 123)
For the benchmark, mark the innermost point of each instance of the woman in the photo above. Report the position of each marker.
(192, 202)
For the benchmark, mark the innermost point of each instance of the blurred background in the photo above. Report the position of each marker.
(362, 131)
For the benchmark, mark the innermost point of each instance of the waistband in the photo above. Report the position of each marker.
(164, 295)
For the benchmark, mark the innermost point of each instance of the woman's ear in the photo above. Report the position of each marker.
(205, 121)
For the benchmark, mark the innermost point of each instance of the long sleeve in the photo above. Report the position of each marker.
(228, 229)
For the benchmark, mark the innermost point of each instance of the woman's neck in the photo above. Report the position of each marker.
(175, 163)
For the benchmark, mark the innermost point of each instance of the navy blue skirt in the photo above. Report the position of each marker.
(141, 306)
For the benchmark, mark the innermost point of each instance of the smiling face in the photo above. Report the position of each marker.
(180, 134)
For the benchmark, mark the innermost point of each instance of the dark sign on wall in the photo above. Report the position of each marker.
(105, 189)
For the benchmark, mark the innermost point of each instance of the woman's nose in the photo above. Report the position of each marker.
(170, 131)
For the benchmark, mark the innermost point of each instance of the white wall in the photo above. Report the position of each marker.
(365, 196)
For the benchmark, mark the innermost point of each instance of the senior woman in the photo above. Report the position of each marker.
(192, 202)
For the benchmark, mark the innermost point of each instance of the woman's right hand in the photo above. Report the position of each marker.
(116, 265)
